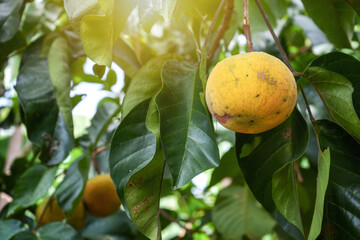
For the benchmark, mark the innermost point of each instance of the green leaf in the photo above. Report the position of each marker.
(272, 150)
(355, 4)
(236, 213)
(69, 192)
(321, 185)
(31, 186)
(334, 17)
(186, 132)
(9, 228)
(142, 195)
(57, 231)
(342, 214)
(10, 16)
(165, 8)
(25, 236)
(145, 83)
(133, 146)
(345, 65)
(125, 57)
(336, 93)
(36, 95)
(60, 74)
(106, 111)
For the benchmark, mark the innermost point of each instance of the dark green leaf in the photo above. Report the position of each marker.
(57, 231)
(99, 70)
(342, 214)
(25, 236)
(31, 186)
(334, 17)
(10, 17)
(355, 4)
(60, 74)
(345, 65)
(36, 95)
(336, 93)
(105, 113)
(69, 192)
(273, 150)
(10, 228)
(237, 213)
(17, 42)
(186, 132)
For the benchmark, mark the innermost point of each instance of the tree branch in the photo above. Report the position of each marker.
(246, 26)
(222, 29)
(277, 42)
(211, 28)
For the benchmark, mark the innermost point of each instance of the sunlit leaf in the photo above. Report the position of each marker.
(236, 213)
(186, 133)
(334, 17)
(336, 92)
(165, 8)
(31, 186)
(342, 214)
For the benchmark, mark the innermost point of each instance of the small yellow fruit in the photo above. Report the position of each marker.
(251, 92)
(54, 213)
(100, 196)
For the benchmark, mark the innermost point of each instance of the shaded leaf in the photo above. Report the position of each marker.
(334, 17)
(336, 93)
(10, 16)
(9, 228)
(186, 132)
(312, 31)
(69, 192)
(31, 186)
(57, 231)
(342, 214)
(273, 150)
(25, 236)
(355, 4)
(236, 213)
(36, 95)
(60, 74)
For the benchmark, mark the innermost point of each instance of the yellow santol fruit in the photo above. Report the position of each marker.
(100, 196)
(251, 92)
(54, 213)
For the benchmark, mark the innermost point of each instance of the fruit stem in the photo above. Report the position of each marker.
(246, 27)
(222, 29)
(277, 42)
(43, 212)
(94, 159)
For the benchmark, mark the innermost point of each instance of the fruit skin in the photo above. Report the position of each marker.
(54, 213)
(251, 92)
(100, 196)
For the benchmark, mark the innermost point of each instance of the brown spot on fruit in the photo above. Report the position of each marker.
(258, 95)
(277, 112)
(223, 119)
(285, 99)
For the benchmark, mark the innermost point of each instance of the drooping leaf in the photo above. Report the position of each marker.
(271, 151)
(321, 185)
(10, 17)
(186, 133)
(105, 113)
(345, 65)
(342, 214)
(336, 92)
(31, 186)
(145, 83)
(334, 17)
(132, 148)
(57, 231)
(60, 74)
(36, 95)
(9, 228)
(69, 192)
(236, 213)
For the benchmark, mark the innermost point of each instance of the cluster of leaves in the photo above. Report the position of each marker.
(300, 180)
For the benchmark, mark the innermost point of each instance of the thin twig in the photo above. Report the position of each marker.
(94, 159)
(211, 28)
(222, 29)
(277, 42)
(171, 219)
(246, 26)
(298, 172)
